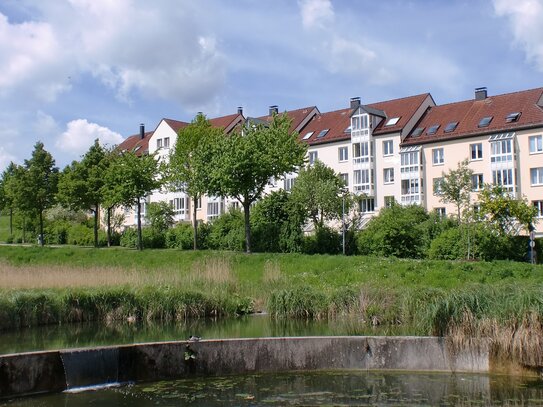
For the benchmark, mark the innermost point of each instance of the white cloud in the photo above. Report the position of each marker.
(525, 17)
(80, 134)
(316, 13)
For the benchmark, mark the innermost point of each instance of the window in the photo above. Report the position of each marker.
(536, 176)
(512, 117)
(503, 177)
(418, 131)
(178, 205)
(166, 142)
(476, 151)
(410, 161)
(388, 147)
(536, 144)
(347, 130)
(437, 156)
(410, 186)
(235, 205)
(485, 121)
(313, 156)
(367, 205)
(199, 204)
(437, 182)
(343, 153)
(289, 183)
(477, 183)
(388, 175)
(159, 143)
(389, 201)
(501, 151)
(441, 212)
(392, 121)
(213, 210)
(539, 206)
(362, 151)
(432, 129)
(362, 180)
(307, 135)
(450, 127)
(323, 133)
(345, 178)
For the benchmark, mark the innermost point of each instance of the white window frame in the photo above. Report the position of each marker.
(536, 144)
(438, 156)
(388, 148)
(539, 206)
(477, 182)
(536, 176)
(388, 175)
(158, 143)
(345, 177)
(166, 142)
(367, 205)
(504, 177)
(343, 154)
(289, 183)
(313, 156)
(441, 212)
(476, 151)
(501, 151)
(179, 205)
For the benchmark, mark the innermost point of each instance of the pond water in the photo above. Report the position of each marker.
(99, 334)
(338, 388)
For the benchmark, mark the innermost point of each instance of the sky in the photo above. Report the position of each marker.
(72, 71)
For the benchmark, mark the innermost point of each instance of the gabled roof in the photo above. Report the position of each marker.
(299, 117)
(136, 144)
(468, 114)
(227, 122)
(338, 121)
(176, 125)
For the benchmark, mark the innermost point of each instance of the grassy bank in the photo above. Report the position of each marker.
(501, 301)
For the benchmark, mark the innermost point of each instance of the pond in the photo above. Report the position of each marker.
(311, 388)
(98, 334)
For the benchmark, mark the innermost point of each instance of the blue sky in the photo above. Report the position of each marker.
(75, 70)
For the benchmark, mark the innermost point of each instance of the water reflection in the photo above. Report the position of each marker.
(313, 388)
(99, 334)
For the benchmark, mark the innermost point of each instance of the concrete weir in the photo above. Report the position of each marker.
(53, 371)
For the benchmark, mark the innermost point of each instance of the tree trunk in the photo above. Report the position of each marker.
(108, 227)
(24, 228)
(96, 214)
(246, 212)
(140, 237)
(195, 222)
(11, 221)
(41, 238)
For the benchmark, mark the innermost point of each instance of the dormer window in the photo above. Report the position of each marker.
(512, 117)
(432, 129)
(485, 121)
(450, 127)
(417, 132)
(392, 121)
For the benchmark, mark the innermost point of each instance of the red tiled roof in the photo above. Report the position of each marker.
(337, 121)
(468, 114)
(176, 125)
(226, 122)
(297, 116)
(136, 144)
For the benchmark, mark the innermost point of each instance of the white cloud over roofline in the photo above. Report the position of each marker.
(80, 134)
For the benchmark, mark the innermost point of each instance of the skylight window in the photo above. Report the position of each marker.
(348, 129)
(450, 127)
(418, 131)
(323, 133)
(485, 121)
(512, 117)
(308, 135)
(432, 129)
(392, 121)
(136, 148)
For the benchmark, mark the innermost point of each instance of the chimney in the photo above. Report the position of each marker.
(355, 102)
(480, 93)
(240, 110)
(274, 109)
(142, 131)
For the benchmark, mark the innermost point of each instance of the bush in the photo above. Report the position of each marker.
(57, 232)
(397, 231)
(181, 236)
(83, 235)
(228, 232)
(152, 239)
(325, 240)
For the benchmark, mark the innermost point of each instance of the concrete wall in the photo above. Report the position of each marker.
(39, 372)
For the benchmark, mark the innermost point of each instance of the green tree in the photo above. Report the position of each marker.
(455, 187)
(507, 214)
(159, 216)
(81, 184)
(244, 162)
(128, 179)
(7, 192)
(318, 189)
(39, 184)
(189, 165)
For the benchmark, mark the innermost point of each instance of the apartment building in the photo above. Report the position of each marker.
(395, 150)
